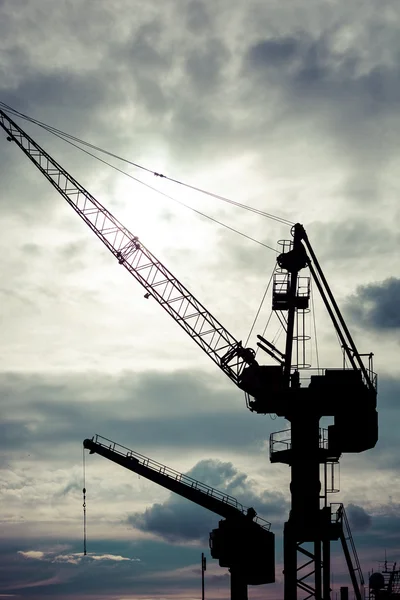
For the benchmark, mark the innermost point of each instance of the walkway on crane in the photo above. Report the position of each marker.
(157, 467)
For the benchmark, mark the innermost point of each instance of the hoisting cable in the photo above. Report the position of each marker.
(268, 322)
(63, 135)
(163, 193)
(168, 195)
(315, 325)
(84, 503)
(260, 307)
(278, 334)
(265, 328)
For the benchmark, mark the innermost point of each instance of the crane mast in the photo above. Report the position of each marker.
(347, 395)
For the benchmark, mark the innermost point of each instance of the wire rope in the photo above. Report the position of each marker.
(64, 135)
(315, 324)
(259, 308)
(84, 503)
(169, 196)
(268, 322)
(60, 136)
(278, 334)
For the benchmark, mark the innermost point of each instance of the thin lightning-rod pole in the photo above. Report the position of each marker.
(84, 503)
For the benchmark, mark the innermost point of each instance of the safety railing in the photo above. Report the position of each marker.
(172, 474)
(281, 440)
(305, 375)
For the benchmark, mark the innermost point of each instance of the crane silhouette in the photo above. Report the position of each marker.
(348, 395)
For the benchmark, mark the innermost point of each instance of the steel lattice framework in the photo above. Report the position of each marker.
(156, 279)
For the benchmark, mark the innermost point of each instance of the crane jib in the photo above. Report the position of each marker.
(156, 279)
(237, 362)
(219, 502)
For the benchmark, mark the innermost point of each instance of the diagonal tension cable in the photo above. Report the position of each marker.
(65, 135)
(68, 141)
(259, 308)
(84, 502)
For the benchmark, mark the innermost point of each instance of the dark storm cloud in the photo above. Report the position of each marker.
(359, 519)
(178, 407)
(26, 193)
(196, 96)
(83, 92)
(69, 99)
(319, 68)
(138, 77)
(145, 47)
(148, 412)
(333, 95)
(66, 258)
(178, 520)
(376, 537)
(377, 305)
(197, 17)
(204, 68)
(144, 60)
(389, 392)
(352, 239)
(273, 52)
(189, 99)
(269, 504)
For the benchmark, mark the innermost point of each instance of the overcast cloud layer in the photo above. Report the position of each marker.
(289, 107)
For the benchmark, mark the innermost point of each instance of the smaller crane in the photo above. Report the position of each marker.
(243, 541)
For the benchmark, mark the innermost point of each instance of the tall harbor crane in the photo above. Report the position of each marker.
(346, 394)
(243, 541)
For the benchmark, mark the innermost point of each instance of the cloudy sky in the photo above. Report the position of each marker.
(290, 107)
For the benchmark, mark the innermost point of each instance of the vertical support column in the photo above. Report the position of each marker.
(318, 569)
(293, 269)
(203, 568)
(344, 593)
(305, 486)
(326, 560)
(304, 520)
(238, 585)
(290, 326)
(290, 562)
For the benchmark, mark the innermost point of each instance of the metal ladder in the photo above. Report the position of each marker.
(349, 549)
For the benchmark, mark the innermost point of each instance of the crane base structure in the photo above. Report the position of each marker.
(308, 533)
(347, 395)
